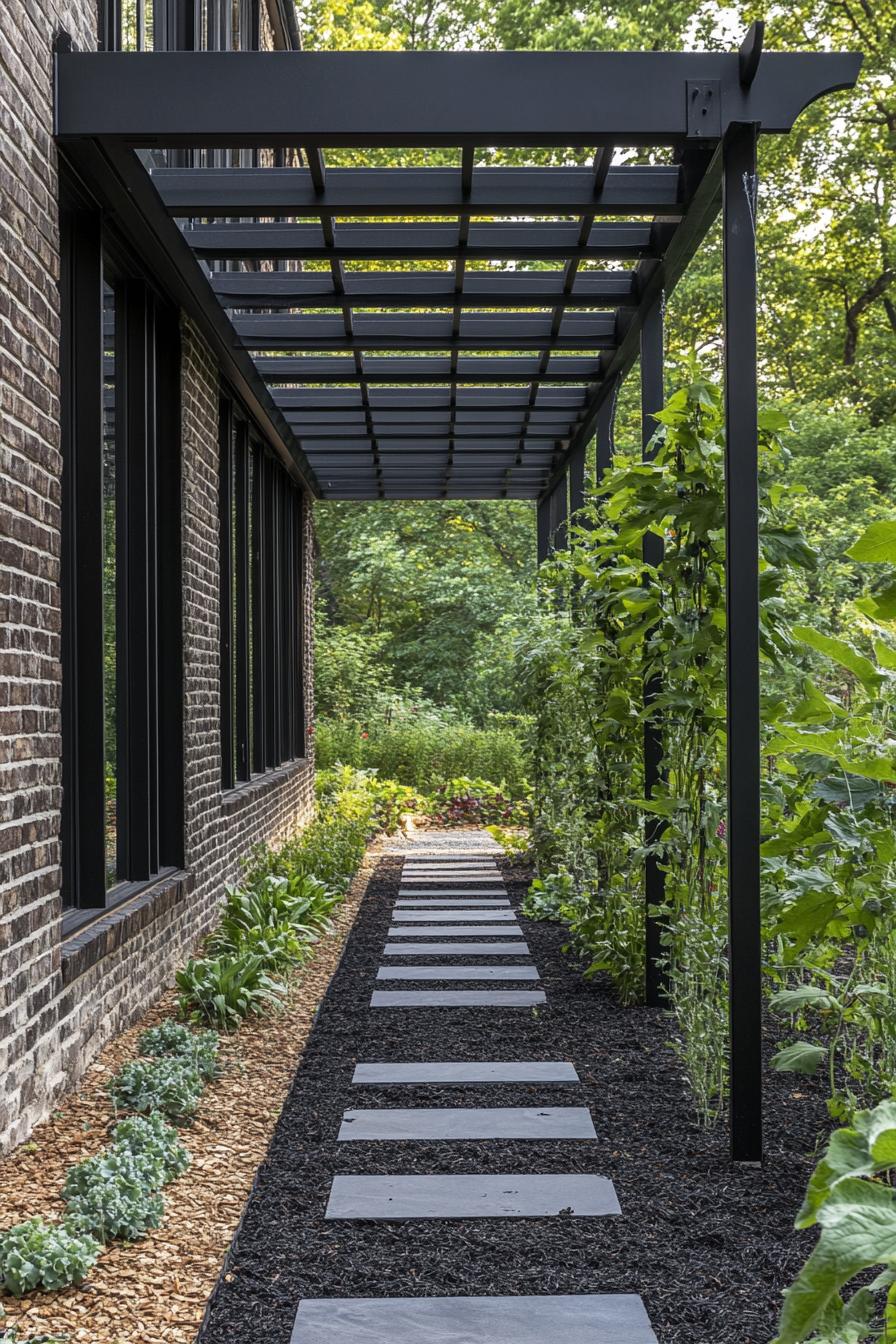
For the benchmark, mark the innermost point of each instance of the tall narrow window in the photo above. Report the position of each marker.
(121, 641)
(110, 589)
(262, 719)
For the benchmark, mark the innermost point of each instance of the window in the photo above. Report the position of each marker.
(180, 25)
(260, 511)
(122, 665)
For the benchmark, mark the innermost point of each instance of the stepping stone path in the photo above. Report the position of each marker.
(586, 1319)
(457, 973)
(437, 902)
(456, 998)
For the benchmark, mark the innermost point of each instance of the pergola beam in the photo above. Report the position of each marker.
(476, 331)
(426, 369)
(280, 99)
(422, 289)
(426, 242)
(243, 192)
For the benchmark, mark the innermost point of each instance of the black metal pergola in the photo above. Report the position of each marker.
(461, 332)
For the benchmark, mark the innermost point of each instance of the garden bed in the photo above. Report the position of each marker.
(156, 1289)
(709, 1247)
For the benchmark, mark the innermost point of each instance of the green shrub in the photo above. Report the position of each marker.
(464, 801)
(149, 1139)
(42, 1255)
(114, 1194)
(169, 1085)
(224, 990)
(423, 753)
(199, 1048)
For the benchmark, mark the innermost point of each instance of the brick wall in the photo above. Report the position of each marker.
(60, 1003)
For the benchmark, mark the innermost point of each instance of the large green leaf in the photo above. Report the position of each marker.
(808, 916)
(842, 653)
(877, 544)
(801, 1057)
(858, 1225)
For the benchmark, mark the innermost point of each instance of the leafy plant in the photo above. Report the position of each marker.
(464, 801)
(199, 1048)
(153, 1143)
(224, 990)
(849, 1198)
(114, 1194)
(516, 844)
(41, 1255)
(169, 1085)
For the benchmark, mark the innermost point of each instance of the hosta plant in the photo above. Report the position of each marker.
(42, 1255)
(150, 1139)
(224, 990)
(169, 1085)
(114, 1194)
(199, 1048)
(850, 1199)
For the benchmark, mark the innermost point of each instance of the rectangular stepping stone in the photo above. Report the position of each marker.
(508, 949)
(456, 998)
(509, 930)
(482, 1195)
(457, 973)
(434, 902)
(402, 916)
(462, 1072)
(469, 879)
(468, 1122)
(457, 871)
(497, 892)
(611, 1318)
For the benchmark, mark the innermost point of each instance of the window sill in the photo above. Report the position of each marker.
(90, 935)
(260, 785)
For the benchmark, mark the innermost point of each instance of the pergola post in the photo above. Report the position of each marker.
(652, 397)
(742, 607)
(543, 528)
(559, 515)
(577, 480)
(606, 418)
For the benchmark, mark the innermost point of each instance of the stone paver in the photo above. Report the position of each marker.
(587, 1319)
(391, 1198)
(397, 949)
(457, 973)
(450, 916)
(455, 902)
(467, 1071)
(456, 998)
(509, 930)
(463, 1122)
(416, 893)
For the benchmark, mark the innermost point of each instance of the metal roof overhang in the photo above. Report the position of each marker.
(476, 380)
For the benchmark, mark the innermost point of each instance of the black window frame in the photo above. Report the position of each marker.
(184, 25)
(149, 647)
(262, 578)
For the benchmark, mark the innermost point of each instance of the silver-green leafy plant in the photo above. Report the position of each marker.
(199, 1048)
(46, 1256)
(152, 1141)
(114, 1194)
(850, 1199)
(169, 1085)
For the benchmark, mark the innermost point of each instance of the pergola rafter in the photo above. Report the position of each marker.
(422, 333)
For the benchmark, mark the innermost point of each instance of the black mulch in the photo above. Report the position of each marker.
(710, 1248)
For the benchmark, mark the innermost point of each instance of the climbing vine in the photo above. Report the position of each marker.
(609, 622)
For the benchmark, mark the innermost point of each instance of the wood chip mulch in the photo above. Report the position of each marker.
(156, 1289)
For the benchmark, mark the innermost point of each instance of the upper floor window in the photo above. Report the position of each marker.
(180, 25)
